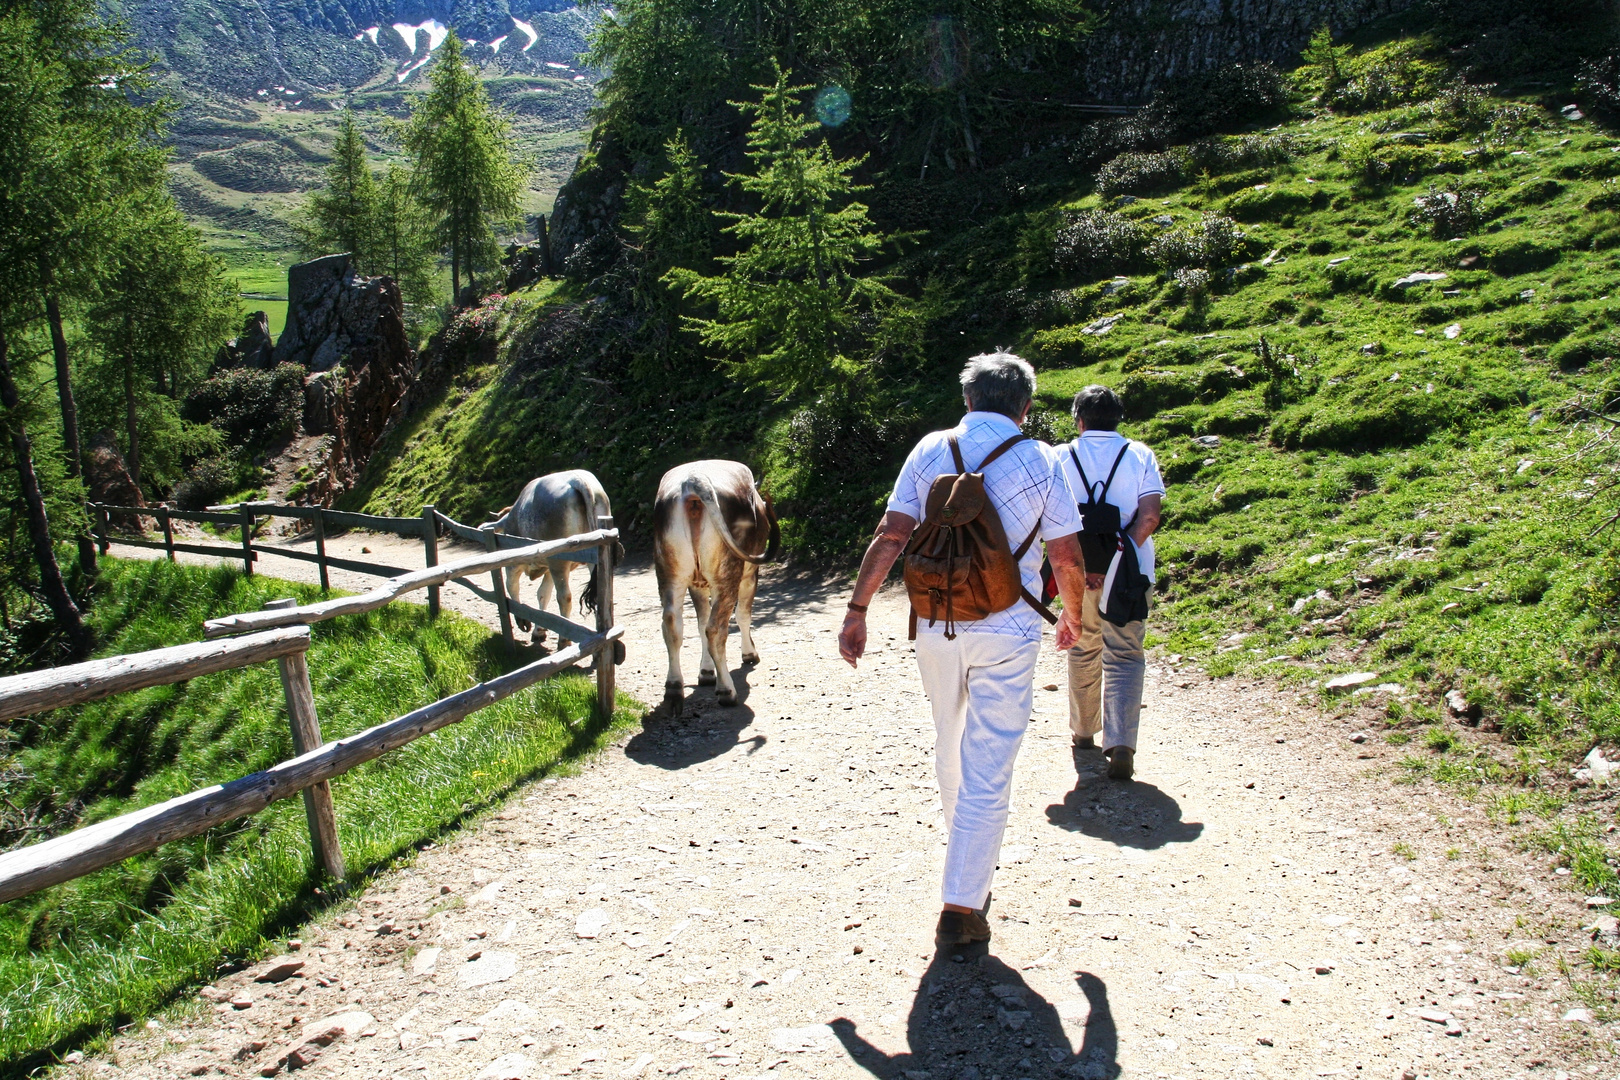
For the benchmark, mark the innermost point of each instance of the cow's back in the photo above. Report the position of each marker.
(551, 507)
(735, 491)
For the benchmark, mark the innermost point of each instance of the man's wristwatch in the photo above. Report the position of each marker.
(861, 608)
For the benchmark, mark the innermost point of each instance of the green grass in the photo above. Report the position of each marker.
(112, 946)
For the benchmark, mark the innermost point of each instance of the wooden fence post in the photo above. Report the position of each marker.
(498, 584)
(247, 541)
(100, 526)
(320, 548)
(168, 531)
(306, 735)
(430, 554)
(607, 658)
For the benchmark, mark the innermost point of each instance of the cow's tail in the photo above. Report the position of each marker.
(700, 487)
(500, 520)
(775, 544)
(587, 598)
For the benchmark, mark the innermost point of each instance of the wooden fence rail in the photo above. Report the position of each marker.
(283, 635)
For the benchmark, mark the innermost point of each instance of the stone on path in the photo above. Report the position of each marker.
(1354, 678)
(590, 923)
(801, 1040)
(639, 1067)
(422, 963)
(281, 970)
(1433, 1016)
(510, 1013)
(507, 1067)
(490, 967)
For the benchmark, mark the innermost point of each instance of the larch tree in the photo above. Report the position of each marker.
(342, 215)
(465, 167)
(788, 305)
(669, 225)
(163, 305)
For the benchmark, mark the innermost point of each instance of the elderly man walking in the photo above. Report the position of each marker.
(979, 672)
(1119, 477)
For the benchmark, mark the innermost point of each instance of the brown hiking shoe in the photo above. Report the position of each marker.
(1121, 763)
(961, 928)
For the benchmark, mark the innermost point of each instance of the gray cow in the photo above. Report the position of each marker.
(552, 507)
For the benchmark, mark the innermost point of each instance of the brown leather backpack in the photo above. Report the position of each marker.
(958, 565)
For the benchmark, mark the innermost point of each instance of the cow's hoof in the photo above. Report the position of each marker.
(750, 658)
(524, 625)
(725, 697)
(706, 678)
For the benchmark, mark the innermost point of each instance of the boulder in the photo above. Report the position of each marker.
(107, 480)
(525, 264)
(349, 331)
(251, 348)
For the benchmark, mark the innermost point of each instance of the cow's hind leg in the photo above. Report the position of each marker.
(745, 612)
(715, 633)
(543, 598)
(514, 582)
(674, 615)
(701, 605)
(565, 591)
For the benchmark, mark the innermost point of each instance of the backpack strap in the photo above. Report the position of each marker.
(997, 452)
(1031, 600)
(1091, 496)
(956, 454)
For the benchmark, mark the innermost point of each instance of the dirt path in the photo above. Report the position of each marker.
(751, 891)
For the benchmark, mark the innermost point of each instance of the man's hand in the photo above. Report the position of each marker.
(1149, 512)
(1068, 630)
(852, 638)
(892, 533)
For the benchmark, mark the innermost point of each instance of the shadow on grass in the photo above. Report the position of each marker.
(973, 1012)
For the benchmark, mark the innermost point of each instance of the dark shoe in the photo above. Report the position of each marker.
(1084, 742)
(958, 928)
(1121, 763)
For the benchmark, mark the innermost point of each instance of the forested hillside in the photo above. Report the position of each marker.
(1361, 307)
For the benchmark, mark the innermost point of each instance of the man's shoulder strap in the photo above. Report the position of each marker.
(998, 451)
(1086, 483)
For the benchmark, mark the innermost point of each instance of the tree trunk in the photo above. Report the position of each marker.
(70, 411)
(133, 458)
(64, 387)
(57, 598)
(455, 272)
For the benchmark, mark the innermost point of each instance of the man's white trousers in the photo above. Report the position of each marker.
(982, 688)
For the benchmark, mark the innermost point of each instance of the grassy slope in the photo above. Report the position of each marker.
(116, 944)
(1384, 488)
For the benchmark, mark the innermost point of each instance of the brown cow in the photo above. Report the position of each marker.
(711, 530)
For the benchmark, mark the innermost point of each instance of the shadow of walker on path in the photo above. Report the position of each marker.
(1124, 813)
(976, 1017)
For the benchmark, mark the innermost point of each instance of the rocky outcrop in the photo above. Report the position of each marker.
(1141, 44)
(349, 331)
(251, 348)
(107, 480)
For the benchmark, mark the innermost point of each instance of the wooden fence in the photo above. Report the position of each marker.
(427, 526)
(281, 633)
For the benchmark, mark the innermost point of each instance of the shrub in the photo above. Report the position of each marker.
(1141, 174)
(1229, 154)
(1270, 203)
(1462, 109)
(1214, 242)
(1397, 77)
(1450, 213)
(254, 408)
(1097, 243)
(1599, 79)
(208, 481)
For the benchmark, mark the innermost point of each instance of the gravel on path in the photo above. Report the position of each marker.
(750, 891)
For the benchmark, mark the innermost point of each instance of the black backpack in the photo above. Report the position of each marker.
(1099, 518)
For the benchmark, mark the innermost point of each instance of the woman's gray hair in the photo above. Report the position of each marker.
(998, 382)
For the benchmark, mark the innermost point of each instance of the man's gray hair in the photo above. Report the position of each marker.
(1099, 408)
(998, 382)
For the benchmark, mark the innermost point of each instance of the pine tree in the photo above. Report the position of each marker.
(401, 238)
(465, 166)
(342, 216)
(788, 303)
(669, 226)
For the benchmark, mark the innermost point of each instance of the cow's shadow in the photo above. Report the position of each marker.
(697, 728)
(977, 1016)
(1129, 813)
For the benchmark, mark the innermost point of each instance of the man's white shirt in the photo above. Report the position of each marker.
(1138, 475)
(1026, 487)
